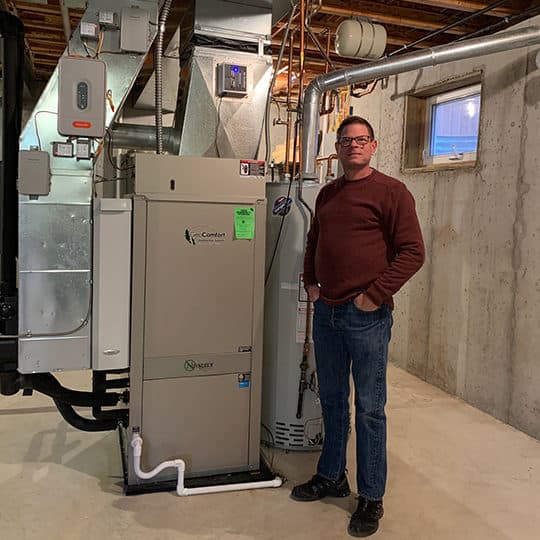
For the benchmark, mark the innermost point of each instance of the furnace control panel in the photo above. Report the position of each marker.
(81, 97)
(232, 80)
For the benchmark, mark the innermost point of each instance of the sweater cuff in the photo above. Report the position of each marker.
(309, 280)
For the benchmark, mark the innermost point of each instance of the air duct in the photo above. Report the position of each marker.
(217, 38)
(392, 66)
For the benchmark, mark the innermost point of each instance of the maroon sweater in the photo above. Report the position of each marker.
(365, 237)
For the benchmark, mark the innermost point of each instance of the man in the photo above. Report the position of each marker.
(364, 245)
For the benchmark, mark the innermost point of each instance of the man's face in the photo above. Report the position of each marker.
(351, 153)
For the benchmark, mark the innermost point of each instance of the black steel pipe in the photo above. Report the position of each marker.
(47, 384)
(82, 423)
(12, 60)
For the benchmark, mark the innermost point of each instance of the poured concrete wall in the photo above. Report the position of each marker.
(469, 321)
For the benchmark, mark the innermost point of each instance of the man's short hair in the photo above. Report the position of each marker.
(355, 120)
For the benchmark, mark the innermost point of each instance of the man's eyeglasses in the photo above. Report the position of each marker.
(361, 140)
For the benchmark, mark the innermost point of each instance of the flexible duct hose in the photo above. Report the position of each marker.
(158, 63)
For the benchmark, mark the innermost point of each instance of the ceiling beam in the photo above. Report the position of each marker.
(469, 6)
(391, 39)
(29, 70)
(411, 18)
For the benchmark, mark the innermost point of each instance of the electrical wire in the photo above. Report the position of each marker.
(109, 153)
(270, 462)
(269, 271)
(218, 122)
(36, 124)
(272, 84)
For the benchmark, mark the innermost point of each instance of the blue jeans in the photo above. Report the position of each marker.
(343, 335)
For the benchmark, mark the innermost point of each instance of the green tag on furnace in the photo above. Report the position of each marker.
(244, 223)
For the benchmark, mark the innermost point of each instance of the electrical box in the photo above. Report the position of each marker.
(81, 97)
(232, 80)
(134, 25)
(89, 30)
(83, 149)
(34, 173)
(63, 149)
(106, 18)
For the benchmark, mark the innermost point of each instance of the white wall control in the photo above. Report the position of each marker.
(134, 26)
(81, 97)
(89, 30)
(34, 173)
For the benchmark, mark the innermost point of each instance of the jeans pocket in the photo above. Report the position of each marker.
(356, 308)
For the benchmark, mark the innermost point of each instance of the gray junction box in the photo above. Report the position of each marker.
(197, 315)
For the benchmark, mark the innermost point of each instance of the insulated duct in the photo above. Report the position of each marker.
(392, 66)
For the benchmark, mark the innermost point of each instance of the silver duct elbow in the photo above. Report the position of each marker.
(392, 66)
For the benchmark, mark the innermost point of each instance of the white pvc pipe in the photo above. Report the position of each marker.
(136, 444)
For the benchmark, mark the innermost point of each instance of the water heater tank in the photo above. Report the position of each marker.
(360, 39)
(284, 425)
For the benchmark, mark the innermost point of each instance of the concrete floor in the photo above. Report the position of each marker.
(454, 473)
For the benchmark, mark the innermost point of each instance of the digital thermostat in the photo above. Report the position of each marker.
(81, 97)
(232, 80)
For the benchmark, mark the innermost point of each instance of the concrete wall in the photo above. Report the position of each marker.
(468, 322)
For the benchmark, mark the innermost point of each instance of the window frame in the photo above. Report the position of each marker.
(445, 97)
(414, 123)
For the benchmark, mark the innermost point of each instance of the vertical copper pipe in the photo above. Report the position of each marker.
(289, 113)
(301, 79)
(324, 108)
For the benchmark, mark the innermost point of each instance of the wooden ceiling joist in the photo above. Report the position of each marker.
(467, 6)
(402, 17)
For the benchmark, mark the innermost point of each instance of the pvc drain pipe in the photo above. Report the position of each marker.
(136, 444)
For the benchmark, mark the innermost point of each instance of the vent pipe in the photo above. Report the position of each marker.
(392, 66)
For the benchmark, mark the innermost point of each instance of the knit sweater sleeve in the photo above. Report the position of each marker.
(406, 240)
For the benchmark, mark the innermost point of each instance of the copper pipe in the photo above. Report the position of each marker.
(281, 26)
(324, 108)
(289, 113)
(301, 78)
(329, 159)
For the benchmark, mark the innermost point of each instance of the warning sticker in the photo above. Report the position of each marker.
(251, 167)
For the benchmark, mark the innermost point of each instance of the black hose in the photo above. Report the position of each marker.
(84, 424)
(47, 384)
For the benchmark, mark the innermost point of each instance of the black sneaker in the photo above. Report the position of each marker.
(319, 487)
(365, 521)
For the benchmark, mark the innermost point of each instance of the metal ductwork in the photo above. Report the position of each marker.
(218, 33)
(401, 64)
(55, 239)
(143, 137)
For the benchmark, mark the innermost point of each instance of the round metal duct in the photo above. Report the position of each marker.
(360, 39)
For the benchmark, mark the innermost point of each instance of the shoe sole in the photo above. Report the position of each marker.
(362, 534)
(299, 499)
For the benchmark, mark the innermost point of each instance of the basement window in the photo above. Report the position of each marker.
(442, 125)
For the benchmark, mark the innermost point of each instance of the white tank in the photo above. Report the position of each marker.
(360, 39)
(285, 424)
